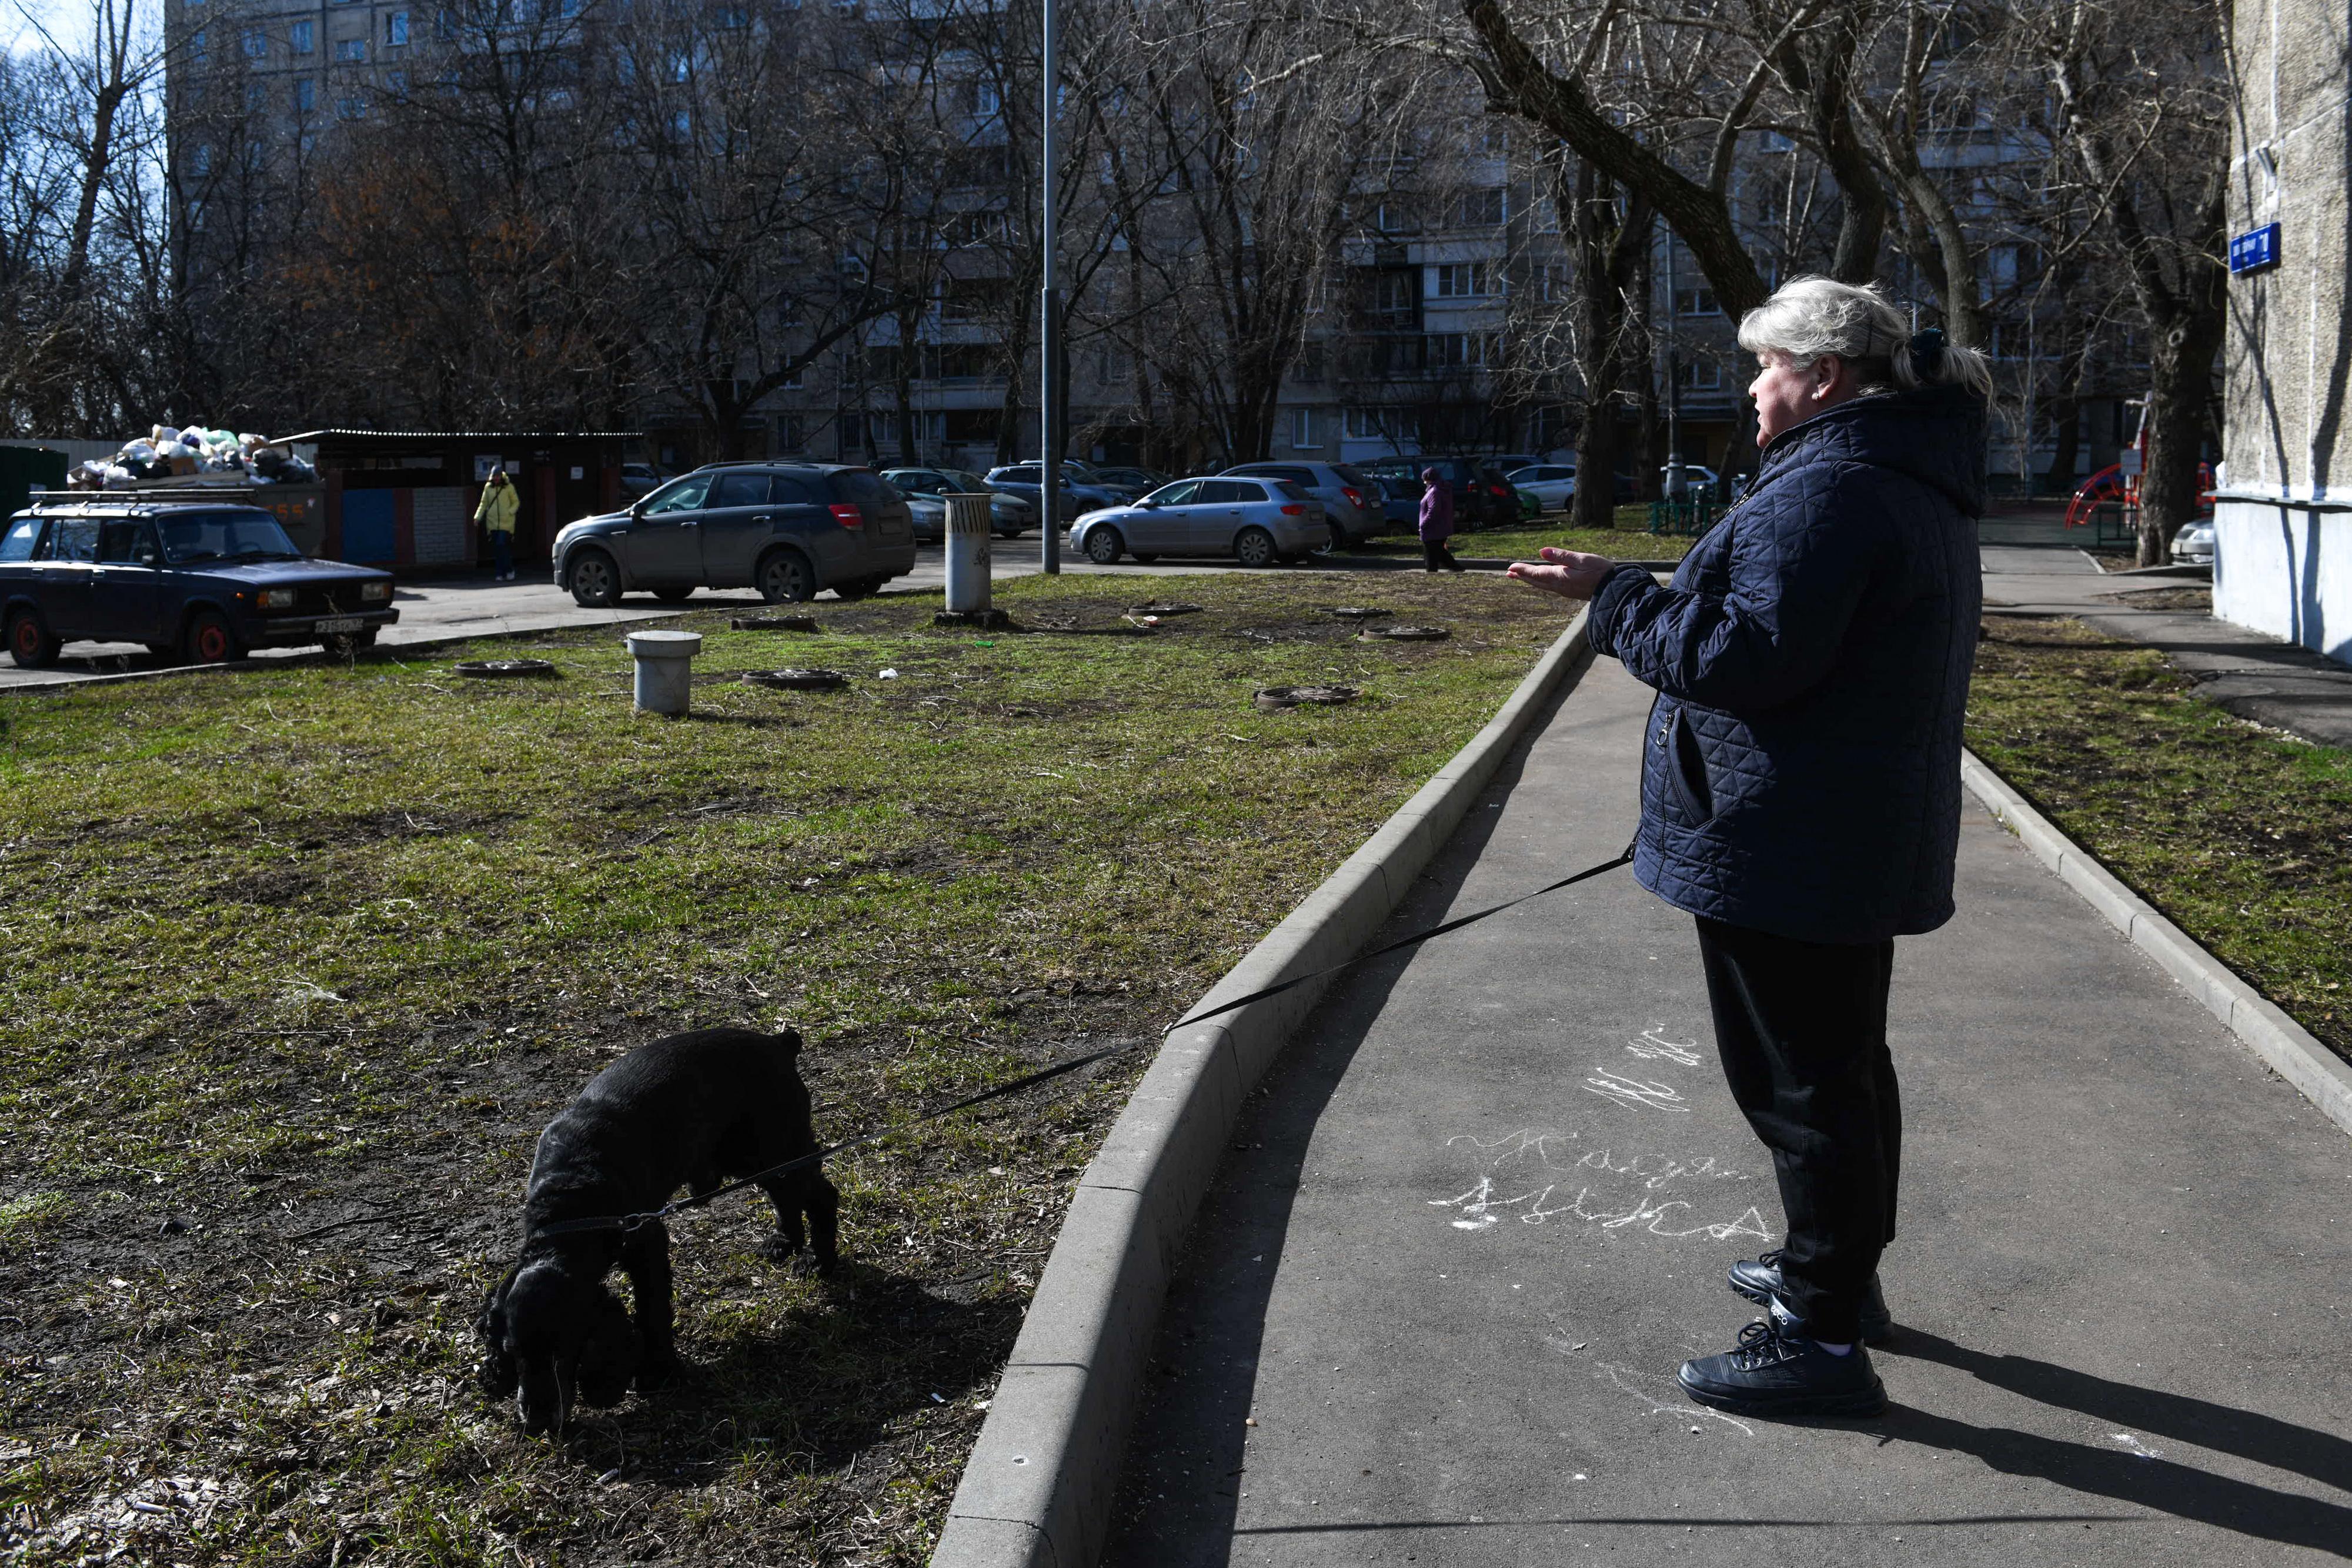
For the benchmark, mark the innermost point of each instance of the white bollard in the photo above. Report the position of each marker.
(664, 670)
(967, 545)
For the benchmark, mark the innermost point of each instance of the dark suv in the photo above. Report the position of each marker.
(1482, 496)
(202, 580)
(789, 530)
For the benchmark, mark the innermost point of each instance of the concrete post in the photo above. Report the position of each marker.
(967, 547)
(664, 670)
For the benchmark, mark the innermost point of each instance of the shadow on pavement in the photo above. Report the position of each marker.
(1213, 1327)
(2138, 1476)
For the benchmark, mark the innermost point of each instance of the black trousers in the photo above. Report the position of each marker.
(1438, 555)
(1802, 1029)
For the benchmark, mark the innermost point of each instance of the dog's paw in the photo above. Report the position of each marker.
(778, 1248)
(654, 1372)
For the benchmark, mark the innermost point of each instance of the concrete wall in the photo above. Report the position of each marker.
(2286, 570)
(2287, 413)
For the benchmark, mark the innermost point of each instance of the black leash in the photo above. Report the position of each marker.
(628, 1223)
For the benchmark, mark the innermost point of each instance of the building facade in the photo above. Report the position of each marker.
(2282, 510)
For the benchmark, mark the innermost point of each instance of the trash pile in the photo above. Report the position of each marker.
(205, 456)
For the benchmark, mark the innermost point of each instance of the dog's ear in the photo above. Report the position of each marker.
(608, 1359)
(790, 1042)
(499, 1372)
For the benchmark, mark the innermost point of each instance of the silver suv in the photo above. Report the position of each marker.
(1257, 521)
(788, 530)
(1351, 500)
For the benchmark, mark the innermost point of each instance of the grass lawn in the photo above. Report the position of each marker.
(1630, 539)
(2241, 836)
(293, 946)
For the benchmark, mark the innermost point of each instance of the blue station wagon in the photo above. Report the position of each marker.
(203, 581)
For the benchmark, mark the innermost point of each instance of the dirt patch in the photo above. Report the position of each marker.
(2197, 599)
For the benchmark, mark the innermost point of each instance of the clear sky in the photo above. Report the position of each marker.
(66, 18)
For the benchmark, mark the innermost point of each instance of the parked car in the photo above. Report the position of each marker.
(1139, 480)
(197, 579)
(1076, 496)
(1483, 498)
(639, 479)
(1553, 484)
(1400, 501)
(1256, 521)
(1699, 482)
(789, 530)
(1008, 515)
(2194, 544)
(1349, 504)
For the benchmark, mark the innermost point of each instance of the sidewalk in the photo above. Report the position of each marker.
(1483, 1206)
(2251, 674)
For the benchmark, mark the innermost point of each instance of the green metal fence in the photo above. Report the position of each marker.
(1684, 516)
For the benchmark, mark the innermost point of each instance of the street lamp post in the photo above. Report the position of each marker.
(1049, 305)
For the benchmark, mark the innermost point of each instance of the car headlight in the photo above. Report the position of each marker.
(376, 592)
(275, 599)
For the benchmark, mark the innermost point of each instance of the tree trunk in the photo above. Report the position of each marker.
(2180, 385)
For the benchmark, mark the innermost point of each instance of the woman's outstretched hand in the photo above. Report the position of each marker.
(1571, 574)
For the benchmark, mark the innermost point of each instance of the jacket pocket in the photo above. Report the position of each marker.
(1686, 771)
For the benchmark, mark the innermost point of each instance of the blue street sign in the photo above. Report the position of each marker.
(2254, 250)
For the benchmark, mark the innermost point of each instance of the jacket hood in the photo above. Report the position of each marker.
(1934, 434)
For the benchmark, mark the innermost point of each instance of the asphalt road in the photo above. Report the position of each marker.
(1482, 1208)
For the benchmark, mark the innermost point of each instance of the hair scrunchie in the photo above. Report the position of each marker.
(1928, 353)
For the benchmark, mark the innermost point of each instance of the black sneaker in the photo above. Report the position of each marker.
(1774, 1371)
(1758, 1279)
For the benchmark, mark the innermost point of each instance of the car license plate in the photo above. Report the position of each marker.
(340, 624)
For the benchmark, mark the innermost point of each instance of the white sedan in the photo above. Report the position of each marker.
(1551, 484)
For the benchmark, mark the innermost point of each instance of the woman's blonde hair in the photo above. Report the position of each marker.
(1810, 317)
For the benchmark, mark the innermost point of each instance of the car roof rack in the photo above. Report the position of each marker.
(169, 495)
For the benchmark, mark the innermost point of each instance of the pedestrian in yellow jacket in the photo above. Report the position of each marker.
(499, 503)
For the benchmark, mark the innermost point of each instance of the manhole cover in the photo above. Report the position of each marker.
(773, 623)
(1165, 610)
(1360, 613)
(1408, 633)
(796, 680)
(503, 669)
(1274, 699)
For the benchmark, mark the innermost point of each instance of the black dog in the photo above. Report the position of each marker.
(694, 1110)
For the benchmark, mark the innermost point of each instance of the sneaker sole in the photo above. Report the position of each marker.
(1872, 1333)
(1871, 1401)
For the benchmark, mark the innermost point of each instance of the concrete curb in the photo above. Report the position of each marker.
(1037, 1490)
(2284, 1046)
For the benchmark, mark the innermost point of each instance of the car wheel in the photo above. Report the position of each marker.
(783, 578)
(211, 639)
(1104, 544)
(859, 586)
(595, 580)
(1142, 560)
(1339, 540)
(29, 643)
(1253, 546)
(673, 595)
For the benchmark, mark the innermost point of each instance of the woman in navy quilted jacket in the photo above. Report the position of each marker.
(1800, 784)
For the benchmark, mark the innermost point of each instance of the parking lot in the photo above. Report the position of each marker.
(451, 609)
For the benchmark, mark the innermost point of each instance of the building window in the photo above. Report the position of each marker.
(306, 96)
(1393, 298)
(200, 161)
(257, 44)
(1481, 208)
(1696, 302)
(445, 23)
(1460, 280)
(350, 109)
(395, 29)
(733, 18)
(256, 97)
(303, 36)
(1394, 425)
(197, 44)
(350, 48)
(1396, 216)
(1699, 376)
(397, 82)
(1302, 430)
(1459, 350)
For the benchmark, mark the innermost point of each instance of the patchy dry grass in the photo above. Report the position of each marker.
(2241, 836)
(304, 946)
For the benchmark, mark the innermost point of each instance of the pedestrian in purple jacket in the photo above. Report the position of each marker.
(1436, 521)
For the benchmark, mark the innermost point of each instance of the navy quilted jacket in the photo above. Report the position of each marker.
(1800, 774)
